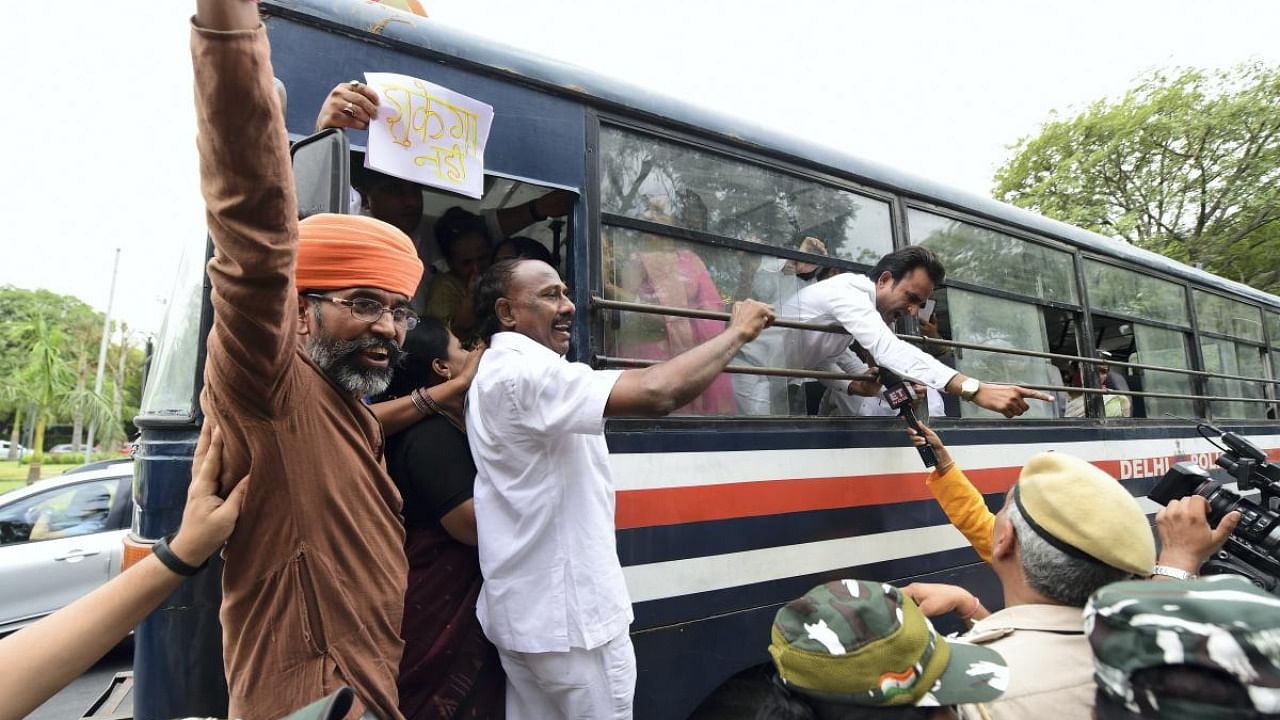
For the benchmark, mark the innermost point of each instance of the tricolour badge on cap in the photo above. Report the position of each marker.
(866, 643)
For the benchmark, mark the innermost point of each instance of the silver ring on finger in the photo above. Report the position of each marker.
(354, 84)
(349, 109)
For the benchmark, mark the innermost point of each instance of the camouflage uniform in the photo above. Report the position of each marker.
(866, 643)
(1220, 623)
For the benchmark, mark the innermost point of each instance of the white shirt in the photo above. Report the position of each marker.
(544, 500)
(850, 300)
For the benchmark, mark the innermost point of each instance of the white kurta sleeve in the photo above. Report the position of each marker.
(564, 397)
(855, 311)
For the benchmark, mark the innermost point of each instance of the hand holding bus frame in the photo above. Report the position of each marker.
(900, 398)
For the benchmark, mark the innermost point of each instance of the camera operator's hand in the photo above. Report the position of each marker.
(1186, 540)
(1008, 400)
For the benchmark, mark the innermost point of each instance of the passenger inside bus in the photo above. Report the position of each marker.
(464, 243)
(419, 212)
(656, 271)
(524, 247)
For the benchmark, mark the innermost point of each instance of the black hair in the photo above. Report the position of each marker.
(526, 248)
(782, 704)
(455, 223)
(902, 261)
(366, 180)
(494, 284)
(423, 345)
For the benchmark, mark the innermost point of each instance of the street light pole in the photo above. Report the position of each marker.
(102, 354)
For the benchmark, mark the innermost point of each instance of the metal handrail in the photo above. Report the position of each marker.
(606, 304)
(612, 361)
(622, 362)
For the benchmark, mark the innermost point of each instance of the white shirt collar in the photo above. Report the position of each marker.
(510, 339)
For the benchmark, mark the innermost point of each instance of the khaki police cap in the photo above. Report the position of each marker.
(1085, 512)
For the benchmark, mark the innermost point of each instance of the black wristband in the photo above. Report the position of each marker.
(172, 561)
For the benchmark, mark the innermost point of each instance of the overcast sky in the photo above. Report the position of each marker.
(100, 129)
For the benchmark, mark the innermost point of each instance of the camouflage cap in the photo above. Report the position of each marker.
(1220, 623)
(866, 643)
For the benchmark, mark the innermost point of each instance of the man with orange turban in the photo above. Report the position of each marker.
(308, 319)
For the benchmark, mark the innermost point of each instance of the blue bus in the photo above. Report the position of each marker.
(725, 513)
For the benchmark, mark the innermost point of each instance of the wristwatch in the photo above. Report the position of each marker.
(969, 388)
(1172, 572)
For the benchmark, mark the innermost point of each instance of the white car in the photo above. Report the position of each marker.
(60, 539)
(4, 450)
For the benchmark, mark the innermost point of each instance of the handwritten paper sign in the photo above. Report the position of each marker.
(428, 134)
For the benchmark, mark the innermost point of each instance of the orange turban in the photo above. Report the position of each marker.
(348, 251)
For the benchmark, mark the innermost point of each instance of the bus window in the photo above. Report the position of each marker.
(1166, 348)
(1000, 323)
(1044, 322)
(1229, 330)
(1125, 305)
(1273, 334)
(1127, 293)
(980, 256)
(710, 193)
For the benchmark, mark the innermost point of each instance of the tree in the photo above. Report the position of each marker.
(1186, 164)
(48, 381)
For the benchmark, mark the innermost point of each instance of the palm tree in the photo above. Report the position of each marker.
(48, 382)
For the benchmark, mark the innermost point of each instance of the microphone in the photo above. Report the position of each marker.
(900, 397)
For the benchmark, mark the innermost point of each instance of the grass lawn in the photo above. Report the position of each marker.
(13, 475)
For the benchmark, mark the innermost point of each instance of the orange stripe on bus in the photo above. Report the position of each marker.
(700, 503)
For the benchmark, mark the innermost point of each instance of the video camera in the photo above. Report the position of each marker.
(1253, 550)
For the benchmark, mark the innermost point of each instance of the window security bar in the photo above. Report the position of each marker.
(622, 362)
(610, 361)
(600, 303)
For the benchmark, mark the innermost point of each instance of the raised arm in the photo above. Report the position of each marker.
(661, 389)
(61, 647)
(960, 500)
(247, 182)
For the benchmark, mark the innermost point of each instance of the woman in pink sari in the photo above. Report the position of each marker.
(657, 272)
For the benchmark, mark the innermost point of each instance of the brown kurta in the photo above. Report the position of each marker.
(315, 574)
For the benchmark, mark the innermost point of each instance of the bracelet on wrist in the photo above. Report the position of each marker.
(1172, 572)
(170, 559)
(418, 405)
(430, 402)
(973, 610)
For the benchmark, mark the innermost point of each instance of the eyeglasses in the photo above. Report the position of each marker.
(370, 311)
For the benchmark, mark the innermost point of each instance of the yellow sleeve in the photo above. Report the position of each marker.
(964, 507)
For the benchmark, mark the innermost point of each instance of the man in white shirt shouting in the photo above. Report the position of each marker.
(554, 601)
(865, 306)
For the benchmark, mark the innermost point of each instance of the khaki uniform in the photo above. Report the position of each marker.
(1050, 663)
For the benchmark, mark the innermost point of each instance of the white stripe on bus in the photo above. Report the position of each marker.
(673, 578)
(651, 471)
